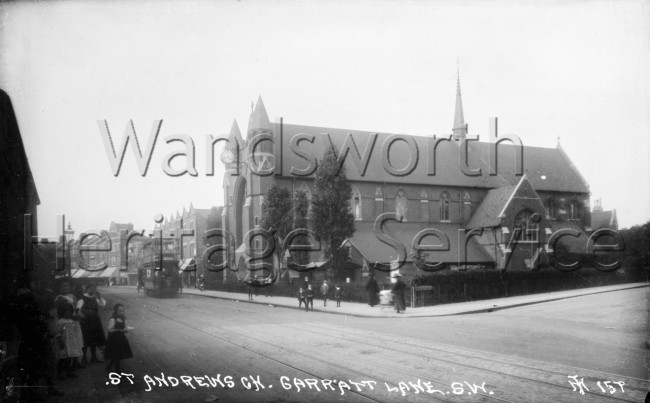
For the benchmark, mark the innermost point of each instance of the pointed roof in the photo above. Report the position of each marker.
(499, 203)
(236, 133)
(460, 128)
(259, 118)
(494, 202)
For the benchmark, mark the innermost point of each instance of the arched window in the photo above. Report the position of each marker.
(444, 206)
(528, 229)
(574, 210)
(551, 209)
(401, 204)
(356, 204)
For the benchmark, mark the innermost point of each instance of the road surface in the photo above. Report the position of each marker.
(235, 351)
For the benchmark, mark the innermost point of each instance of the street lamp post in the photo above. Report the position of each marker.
(161, 250)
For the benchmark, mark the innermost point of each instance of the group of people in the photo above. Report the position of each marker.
(306, 295)
(79, 331)
(398, 291)
(60, 335)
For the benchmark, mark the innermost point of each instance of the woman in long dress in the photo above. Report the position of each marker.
(91, 324)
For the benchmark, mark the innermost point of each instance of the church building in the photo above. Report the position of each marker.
(520, 196)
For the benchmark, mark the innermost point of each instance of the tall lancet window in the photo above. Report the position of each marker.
(444, 206)
(574, 210)
(401, 204)
(356, 204)
(528, 229)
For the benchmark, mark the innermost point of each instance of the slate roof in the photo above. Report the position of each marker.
(603, 219)
(487, 213)
(375, 251)
(548, 169)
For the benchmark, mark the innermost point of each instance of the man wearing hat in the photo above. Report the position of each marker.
(399, 291)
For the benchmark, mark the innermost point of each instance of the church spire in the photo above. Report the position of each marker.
(259, 120)
(460, 127)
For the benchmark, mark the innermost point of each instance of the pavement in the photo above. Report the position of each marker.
(387, 311)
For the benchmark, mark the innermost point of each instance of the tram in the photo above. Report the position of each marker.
(160, 280)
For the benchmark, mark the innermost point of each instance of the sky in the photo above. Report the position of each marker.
(573, 70)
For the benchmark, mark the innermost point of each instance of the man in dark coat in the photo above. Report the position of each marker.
(399, 291)
(373, 291)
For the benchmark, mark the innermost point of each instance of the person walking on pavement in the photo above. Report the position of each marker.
(310, 297)
(140, 282)
(249, 283)
(324, 289)
(91, 324)
(399, 291)
(373, 290)
(338, 294)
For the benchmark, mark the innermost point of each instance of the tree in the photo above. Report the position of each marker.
(300, 204)
(277, 216)
(637, 245)
(331, 218)
(276, 211)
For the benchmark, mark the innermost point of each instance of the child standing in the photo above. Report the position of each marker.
(70, 341)
(117, 345)
(302, 298)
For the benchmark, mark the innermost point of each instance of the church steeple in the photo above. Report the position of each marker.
(460, 127)
(259, 120)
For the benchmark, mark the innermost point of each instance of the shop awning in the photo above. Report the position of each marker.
(106, 273)
(109, 272)
(187, 264)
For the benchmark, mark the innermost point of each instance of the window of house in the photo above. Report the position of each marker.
(356, 204)
(444, 206)
(574, 210)
(401, 204)
(528, 229)
(551, 209)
